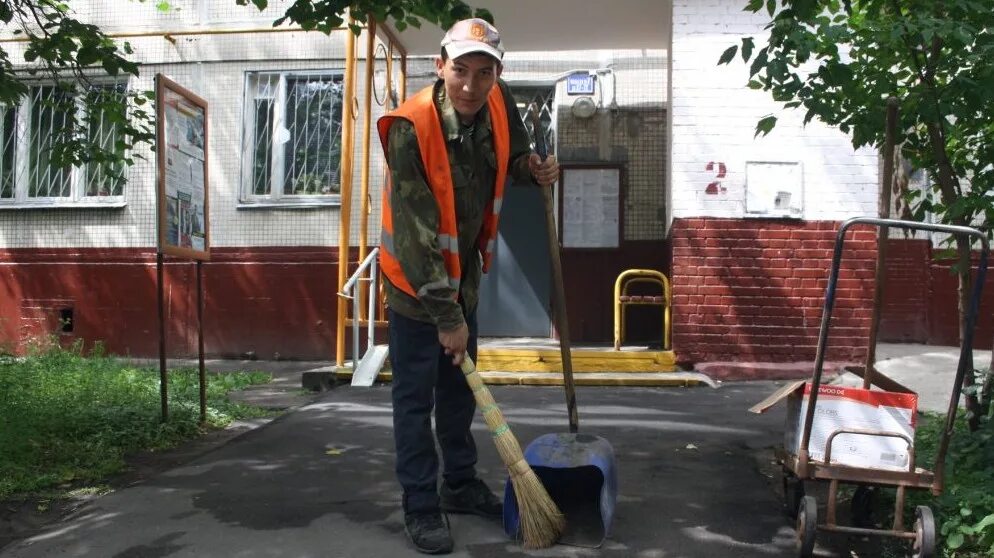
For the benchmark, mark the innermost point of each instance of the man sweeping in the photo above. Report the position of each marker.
(450, 150)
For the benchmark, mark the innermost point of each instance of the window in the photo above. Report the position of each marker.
(293, 137)
(29, 133)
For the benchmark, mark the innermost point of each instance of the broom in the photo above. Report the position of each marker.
(541, 521)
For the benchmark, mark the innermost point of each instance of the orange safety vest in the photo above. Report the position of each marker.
(421, 112)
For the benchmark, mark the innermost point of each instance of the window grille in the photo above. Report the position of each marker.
(293, 136)
(544, 98)
(32, 131)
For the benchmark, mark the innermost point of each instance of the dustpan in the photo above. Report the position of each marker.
(578, 470)
(579, 473)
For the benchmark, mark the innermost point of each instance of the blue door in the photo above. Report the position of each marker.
(515, 296)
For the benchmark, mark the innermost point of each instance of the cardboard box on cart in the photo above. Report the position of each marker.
(841, 407)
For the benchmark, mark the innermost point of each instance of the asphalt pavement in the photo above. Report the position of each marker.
(695, 469)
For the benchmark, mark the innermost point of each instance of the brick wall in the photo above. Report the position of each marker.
(905, 317)
(747, 289)
(753, 290)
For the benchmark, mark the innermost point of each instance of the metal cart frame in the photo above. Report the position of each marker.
(798, 468)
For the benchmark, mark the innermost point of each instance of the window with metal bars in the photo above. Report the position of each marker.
(32, 132)
(292, 142)
(543, 96)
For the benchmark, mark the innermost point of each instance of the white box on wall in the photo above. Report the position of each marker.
(774, 189)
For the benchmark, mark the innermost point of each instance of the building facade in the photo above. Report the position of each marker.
(661, 171)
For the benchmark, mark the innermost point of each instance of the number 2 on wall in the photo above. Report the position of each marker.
(716, 187)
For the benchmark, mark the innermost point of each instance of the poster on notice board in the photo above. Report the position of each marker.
(181, 148)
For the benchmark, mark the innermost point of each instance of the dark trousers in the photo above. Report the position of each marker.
(425, 378)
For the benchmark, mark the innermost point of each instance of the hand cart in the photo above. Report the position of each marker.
(800, 467)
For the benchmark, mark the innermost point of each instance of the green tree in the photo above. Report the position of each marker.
(69, 55)
(839, 60)
(72, 57)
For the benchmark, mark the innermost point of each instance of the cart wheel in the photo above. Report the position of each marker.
(861, 506)
(793, 491)
(924, 545)
(807, 526)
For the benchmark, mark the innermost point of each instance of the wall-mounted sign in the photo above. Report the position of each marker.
(774, 189)
(591, 206)
(580, 83)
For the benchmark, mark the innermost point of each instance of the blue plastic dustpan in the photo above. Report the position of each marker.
(576, 469)
(578, 472)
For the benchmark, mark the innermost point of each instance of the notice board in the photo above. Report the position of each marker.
(181, 147)
(591, 206)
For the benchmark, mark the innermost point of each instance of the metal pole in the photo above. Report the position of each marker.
(163, 378)
(372, 304)
(367, 119)
(345, 211)
(355, 326)
(200, 342)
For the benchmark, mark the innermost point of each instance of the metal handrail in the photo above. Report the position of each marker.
(346, 292)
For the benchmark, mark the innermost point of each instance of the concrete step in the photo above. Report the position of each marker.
(628, 379)
(583, 360)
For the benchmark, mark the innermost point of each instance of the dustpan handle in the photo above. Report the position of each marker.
(558, 292)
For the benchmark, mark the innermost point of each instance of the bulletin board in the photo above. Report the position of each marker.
(590, 206)
(181, 144)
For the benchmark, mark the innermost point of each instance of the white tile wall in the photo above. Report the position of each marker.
(714, 116)
(212, 66)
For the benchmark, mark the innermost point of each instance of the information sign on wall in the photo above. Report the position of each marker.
(774, 189)
(591, 207)
(580, 83)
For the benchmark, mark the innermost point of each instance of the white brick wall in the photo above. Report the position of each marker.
(714, 116)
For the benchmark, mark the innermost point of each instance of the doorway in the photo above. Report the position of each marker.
(515, 294)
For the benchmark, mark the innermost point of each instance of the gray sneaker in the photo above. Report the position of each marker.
(429, 532)
(474, 497)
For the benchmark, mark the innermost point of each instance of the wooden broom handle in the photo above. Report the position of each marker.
(558, 292)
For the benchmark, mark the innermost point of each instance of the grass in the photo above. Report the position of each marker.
(67, 419)
(964, 513)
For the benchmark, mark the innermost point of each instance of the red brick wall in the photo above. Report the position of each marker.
(262, 300)
(753, 290)
(906, 294)
(942, 308)
(920, 304)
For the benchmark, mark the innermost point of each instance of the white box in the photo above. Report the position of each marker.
(840, 407)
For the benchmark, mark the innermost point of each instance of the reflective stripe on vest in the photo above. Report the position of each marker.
(421, 112)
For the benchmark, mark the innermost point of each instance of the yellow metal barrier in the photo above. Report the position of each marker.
(623, 299)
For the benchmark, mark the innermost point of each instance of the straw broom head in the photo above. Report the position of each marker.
(541, 521)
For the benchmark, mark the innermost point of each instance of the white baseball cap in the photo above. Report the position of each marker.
(473, 35)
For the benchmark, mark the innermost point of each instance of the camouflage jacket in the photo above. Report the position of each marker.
(415, 212)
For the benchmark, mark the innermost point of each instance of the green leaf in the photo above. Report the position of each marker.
(727, 56)
(954, 541)
(771, 7)
(984, 523)
(747, 46)
(765, 125)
